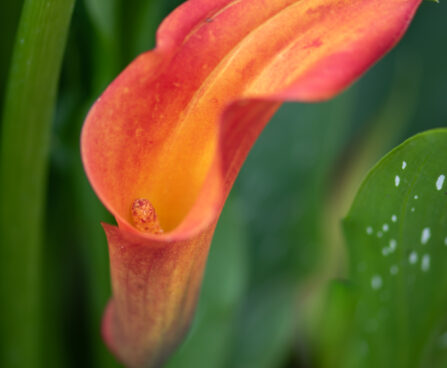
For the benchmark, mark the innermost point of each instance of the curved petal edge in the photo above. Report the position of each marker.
(176, 125)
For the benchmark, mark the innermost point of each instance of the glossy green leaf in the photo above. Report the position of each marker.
(397, 240)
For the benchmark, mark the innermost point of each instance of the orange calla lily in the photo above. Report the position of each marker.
(164, 143)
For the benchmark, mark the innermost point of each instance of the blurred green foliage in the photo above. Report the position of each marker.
(265, 297)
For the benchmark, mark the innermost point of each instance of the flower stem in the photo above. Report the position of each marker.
(26, 127)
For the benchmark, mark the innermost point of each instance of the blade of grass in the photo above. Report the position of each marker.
(27, 117)
(9, 19)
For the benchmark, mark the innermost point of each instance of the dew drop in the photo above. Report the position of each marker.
(393, 245)
(394, 270)
(440, 182)
(369, 230)
(425, 236)
(396, 180)
(413, 257)
(416, 197)
(394, 218)
(425, 263)
(376, 282)
(404, 165)
(385, 227)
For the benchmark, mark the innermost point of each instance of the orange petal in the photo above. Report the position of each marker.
(175, 127)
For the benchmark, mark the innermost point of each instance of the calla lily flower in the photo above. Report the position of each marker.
(164, 143)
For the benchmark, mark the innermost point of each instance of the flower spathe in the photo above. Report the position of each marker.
(174, 128)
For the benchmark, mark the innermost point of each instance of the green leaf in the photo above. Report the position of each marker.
(9, 19)
(26, 126)
(397, 241)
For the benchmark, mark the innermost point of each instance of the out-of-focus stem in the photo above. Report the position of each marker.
(26, 125)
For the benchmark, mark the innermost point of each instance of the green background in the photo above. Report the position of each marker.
(278, 243)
